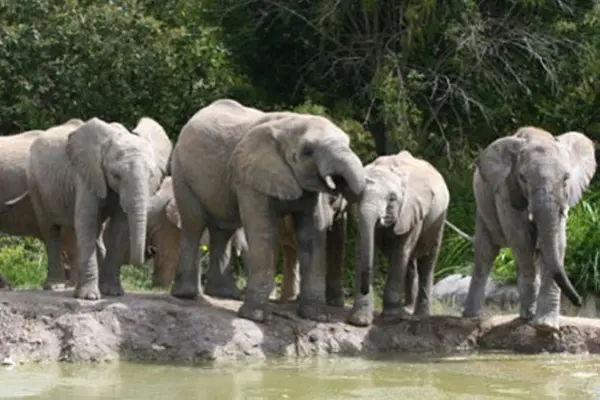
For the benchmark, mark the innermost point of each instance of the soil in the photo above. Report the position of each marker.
(39, 326)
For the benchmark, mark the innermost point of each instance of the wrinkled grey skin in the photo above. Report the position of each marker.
(16, 212)
(80, 176)
(161, 147)
(335, 217)
(524, 186)
(236, 166)
(401, 212)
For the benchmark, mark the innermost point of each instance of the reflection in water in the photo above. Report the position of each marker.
(474, 377)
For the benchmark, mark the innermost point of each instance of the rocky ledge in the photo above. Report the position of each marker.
(37, 326)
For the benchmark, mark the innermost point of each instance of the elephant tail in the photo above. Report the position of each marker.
(9, 204)
(563, 282)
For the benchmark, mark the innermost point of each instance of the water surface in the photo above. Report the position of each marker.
(473, 377)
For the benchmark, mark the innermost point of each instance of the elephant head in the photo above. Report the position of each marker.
(285, 154)
(388, 201)
(159, 141)
(542, 177)
(164, 226)
(108, 158)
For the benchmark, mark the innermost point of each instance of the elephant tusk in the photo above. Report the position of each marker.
(329, 182)
(530, 216)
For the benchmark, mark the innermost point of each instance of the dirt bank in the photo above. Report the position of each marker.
(42, 326)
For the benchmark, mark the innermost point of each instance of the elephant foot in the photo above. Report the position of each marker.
(471, 313)
(361, 315)
(526, 314)
(314, 312)
(54, 286)
(422, 310)
(228, 290)
(111, 289)
(254, 312)
(87, 292)
(396, 311)
(184, 290)
(546, 323)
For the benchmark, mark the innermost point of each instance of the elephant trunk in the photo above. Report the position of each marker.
(548, 222)
(137, 219)
(345, 164)
(367, 218)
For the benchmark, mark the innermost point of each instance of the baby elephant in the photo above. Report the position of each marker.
(402, 211)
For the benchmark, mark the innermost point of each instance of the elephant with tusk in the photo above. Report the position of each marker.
(235, 166)
(524, 186)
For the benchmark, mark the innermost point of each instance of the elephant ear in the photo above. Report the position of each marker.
(162, 146)
(582, 159)
(257, 162)
(497, 166)
(85, 149)
(418, 197)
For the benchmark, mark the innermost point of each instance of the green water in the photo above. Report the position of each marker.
(475, 377)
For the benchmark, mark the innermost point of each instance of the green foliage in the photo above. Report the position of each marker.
(441, 79)
(23, 261)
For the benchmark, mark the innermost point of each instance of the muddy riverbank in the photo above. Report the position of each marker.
(37, 326)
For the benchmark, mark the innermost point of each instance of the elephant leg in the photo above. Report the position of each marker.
(110, 271)
(485, 254)
(412, 286)
(290, 288)
(364, 304)
(547, 312)
(313, 269)
(55, 280)
(261, 223)
(186, 284)
(336, 258)
(528, 281)
(220, 281)
(86, 233)
(394, 292)
(426, 268)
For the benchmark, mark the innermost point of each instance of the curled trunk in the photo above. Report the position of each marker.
(346, 164)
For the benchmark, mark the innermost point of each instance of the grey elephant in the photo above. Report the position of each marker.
(524, 186)
(161, 148)
(79, 177)
(401, 212)
(17, 216)
(237, 166)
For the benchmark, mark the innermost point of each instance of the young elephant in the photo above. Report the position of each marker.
(402, 212)
(236, 166)
(78, 178)
(524, 185)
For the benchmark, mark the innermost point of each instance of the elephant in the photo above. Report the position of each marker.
(401, 212)
(236, 166)
(78, 176)
(17, 216)
(524, 185)
(163, 236)
(161, 146)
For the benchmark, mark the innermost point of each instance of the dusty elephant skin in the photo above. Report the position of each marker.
(42, 326)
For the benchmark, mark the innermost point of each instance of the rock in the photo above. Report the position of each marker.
(53, 326)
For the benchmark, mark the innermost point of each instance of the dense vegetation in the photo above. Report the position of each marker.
(441, 79)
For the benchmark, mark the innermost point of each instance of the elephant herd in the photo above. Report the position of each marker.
(99, 196)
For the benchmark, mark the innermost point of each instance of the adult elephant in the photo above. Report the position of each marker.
(79, 177)
(402, 212)
(17, 216)
(237, 166)
(524, 186)
(116, 231)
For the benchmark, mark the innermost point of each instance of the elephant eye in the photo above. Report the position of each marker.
(307, 151)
